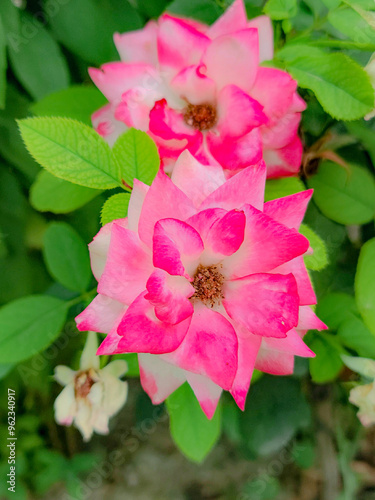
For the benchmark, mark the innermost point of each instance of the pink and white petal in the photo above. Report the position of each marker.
(267, 245)
(197, 181)
(170, 296)
(176, 247)
(292, 344)
(226, 235)
(133, 111)
(142, 331)
(179, 44)
(128, 266)
(308, 320)
(204, 220)
(192, 85)
(265, 32)
(159, 378)
(284, 162)
(137, 198)
(169, 124)
(282, 132)
(298, 104)
(101, 315)
(65, 406)
(289, 210)
(233, 19)
(238, 112)
(207, 392)
(274, 362)
(274, 89)
(248, 347)
(246, 187)
(113, 79)
(225, 56)
(265, 304)
(234, 154)
(162, 201)
(298, 269)
(138, 45)
(105, 124)
(110, 344)
(209, 348)
(100, 245)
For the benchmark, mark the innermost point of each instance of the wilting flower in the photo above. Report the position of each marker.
(198, 87)
(204, 281)
(363, 395)
(91, 396)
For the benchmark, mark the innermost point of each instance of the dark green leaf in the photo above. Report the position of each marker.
(327, 364)
(364, 284)
(206, 11)
(336, 308)
(354, 334)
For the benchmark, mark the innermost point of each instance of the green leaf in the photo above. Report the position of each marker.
(116, 207)
(278, 188)
(77, 102)
(336, 308)
(3, 64)
(275, 411)
(206, 11)
(327, 364)
(36, 59)
(29, 325)
(69, 150)
(5, 369)
(280, 9)
(345, 196)
(365, 135)
(67, 256)
(51, 194)
(330, 77)
(352, 24)
(192, 432)
(319, 259)
(135, 156)
(364, 284)
(151, 8)
(354, 334)
(86, 28)
(363, 366)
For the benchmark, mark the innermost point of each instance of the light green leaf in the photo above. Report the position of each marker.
(319, 259)
(365, 135)
(5, 369)
(3, 64)
(364, 284)
(330, 77)
(354, 334)
(77, 102)
(69, 150)
(191, 430)
(36, 59)
(327, 364)
(278, 188)
(353, 23)
(116, 207)
(51, 194)
(67, 256)
(135, 156)
(29, 325)
(280, 9)
(363, 366)
(336, 308)
(86, 27)
(345, 196)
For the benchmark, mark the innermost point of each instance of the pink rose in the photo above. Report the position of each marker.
(204, 281)
(197, 87)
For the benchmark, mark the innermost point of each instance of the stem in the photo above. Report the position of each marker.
(81, 298)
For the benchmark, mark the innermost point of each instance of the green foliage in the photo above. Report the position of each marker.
(275, 411)
(344, 195)
(206, 11)
(353, 22)
(280, 9)
(330, 77)
(327, 364)
(364, 284)
(319, 259)
(135, 156)
(116, 207)
(336, 308)
(29, 325)
(70, 150)
(36, 59)
(3, 64)
(192, 432)
(354, 335)
(277, 188)
(67, 256)
(78, 102)
(51, 194)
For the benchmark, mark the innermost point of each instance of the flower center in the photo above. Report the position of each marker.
(200, 116)
(83, 383)
(208, 284)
